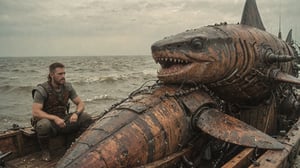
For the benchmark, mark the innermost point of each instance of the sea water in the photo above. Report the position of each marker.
(100, 81)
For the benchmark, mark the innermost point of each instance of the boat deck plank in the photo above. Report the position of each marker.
(34, 161)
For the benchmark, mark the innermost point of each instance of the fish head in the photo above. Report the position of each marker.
(197, 55)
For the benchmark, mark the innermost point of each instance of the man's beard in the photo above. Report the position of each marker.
(60, 82)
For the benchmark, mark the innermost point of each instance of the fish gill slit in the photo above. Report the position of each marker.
(230, 77)
(242, 74)
(245, 83)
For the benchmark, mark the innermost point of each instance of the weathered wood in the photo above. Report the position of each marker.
(33, 161)
(29, 132)
(167, 160)
(9, 133)
(241, 160)
(8, 143)
(20, 143)
(282, 158)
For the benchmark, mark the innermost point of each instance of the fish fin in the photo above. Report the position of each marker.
(232, 130)
(284, 77)
(251, 16)
(289, 38)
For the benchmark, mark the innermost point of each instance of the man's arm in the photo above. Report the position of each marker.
(79, 109)
(77, 101)
(37, 112)
(79, 104)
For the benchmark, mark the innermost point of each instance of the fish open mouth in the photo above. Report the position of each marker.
(178, 66)
(171, 65)
(169, 62)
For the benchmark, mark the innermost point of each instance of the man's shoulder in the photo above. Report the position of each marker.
(41, 89)
(68, 86)
(44, 85)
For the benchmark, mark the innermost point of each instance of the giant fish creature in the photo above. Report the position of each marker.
(221, 87)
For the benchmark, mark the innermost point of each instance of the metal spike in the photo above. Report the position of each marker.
(271, 58)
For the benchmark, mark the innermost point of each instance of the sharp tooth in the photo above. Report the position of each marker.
(166, 59)
(175, 60)
(171, 59)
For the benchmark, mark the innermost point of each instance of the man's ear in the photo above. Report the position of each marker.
(51, 74)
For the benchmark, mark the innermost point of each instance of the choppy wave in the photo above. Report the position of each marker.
(101, 97)
(96, 79)
(8, 120)
(114, 78)
(18, 89)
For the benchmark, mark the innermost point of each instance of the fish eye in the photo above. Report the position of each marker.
(197, 43)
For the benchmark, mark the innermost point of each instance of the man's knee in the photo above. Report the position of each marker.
(43, 127)
(85, 119)
(85, 116)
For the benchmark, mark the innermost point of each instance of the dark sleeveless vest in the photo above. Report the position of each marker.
(56, 103)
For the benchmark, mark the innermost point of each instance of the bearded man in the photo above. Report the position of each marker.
(50, 106)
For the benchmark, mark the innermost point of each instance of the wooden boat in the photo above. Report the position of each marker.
(19, 149)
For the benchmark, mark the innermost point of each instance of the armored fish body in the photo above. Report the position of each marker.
(237, 61)
(156, 124)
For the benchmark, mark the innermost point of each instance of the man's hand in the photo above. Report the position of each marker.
(60, 122)
(73, 118)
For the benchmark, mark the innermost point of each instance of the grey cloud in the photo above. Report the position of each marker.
(134, 24)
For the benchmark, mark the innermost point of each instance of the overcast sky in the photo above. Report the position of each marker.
(120, 27)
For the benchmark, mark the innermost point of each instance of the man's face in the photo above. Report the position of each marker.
(58, 76)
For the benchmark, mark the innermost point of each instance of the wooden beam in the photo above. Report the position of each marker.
(282, 158)
(167, 160)
(241, 160)
(20, 143)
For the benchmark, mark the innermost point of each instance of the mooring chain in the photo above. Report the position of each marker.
(140, 90)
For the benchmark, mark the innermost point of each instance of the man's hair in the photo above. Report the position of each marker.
(55, 65)
(52, 68)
